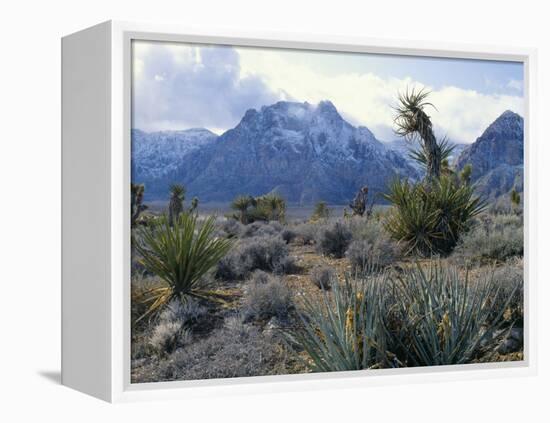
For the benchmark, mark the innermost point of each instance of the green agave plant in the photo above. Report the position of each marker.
(344, 331)
(445, 318)
(180, 254)
(430, 219)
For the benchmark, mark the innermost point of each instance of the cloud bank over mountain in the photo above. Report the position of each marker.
(180, 86)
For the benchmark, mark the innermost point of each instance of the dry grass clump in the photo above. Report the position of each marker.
(268, 253)
(372, 255)
(322, 277)
(334, 239)
(234, 350)
(493, 238)
(266, 296)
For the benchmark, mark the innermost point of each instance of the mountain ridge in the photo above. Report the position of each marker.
(305, 152)
(497, 156)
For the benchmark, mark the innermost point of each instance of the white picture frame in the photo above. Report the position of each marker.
(96, 202)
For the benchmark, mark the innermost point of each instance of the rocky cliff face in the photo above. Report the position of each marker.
(497, 157)
(306, 153)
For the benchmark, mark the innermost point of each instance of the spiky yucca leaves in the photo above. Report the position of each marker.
(242, 204)
(412, 121)
(266, 208)
(446, 318)
(270, 207)
(444, 151)
(429, 220)
(180, 254)
(175, 207)
(344, 331)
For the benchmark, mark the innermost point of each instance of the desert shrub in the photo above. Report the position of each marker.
(264, 253)
(367, 229)
(509, 276)
(261, 252)
(235, 350)
(187, 313)
(345, 332)
(261, 229)
(286, 266)
(288, 235)
(497, 238)
(174, 326)
(334, 240)
(323, 276)
(430, 218)
(167, 336)
(443, 317)
(259, 277)
(372, 255)
(181, 256)
(306, 233)
(266, 298)
(232, 267)
(233, 228)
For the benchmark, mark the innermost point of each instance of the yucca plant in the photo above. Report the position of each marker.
(181, 255)
(412, 121)
(443, 317)
(175, 207)
(136, 194)
(444, 151)
(320, 212)
(269, 207)
(430, 219)
(344, 330)
(242, 205)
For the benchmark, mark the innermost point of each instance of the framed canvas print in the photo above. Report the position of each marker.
(272, 212)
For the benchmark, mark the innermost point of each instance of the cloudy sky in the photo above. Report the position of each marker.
(181, 86)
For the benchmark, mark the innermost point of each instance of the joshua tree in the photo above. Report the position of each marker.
(321, 211)
(175, 208)
(466, 174)
(515, 198)
(241, 204)
(273, 205)
(137, 191)
(194, 205)
(359, 204)
(412, 121)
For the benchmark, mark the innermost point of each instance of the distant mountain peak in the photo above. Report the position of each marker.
(509, 125)
(497, 156)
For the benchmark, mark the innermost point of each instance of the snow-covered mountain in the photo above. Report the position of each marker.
(497, 156)
(305, 152)
(162, 158)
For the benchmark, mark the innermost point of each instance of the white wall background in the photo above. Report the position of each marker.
(30, 207)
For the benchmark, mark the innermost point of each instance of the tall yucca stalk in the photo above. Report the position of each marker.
(344, 331)
(180, 254)
(445, 317)
(411, 121)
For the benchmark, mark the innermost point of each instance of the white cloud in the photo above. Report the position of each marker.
(515, 84)
(366, 98)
